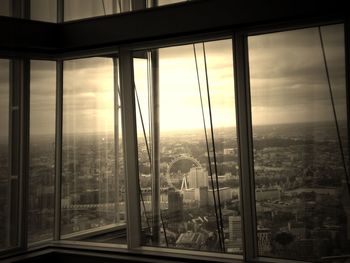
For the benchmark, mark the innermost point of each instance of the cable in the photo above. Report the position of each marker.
(334, 111)
(104, 8)
(207, 144)
(213, 144)
(165, 236)
(145, 138)
(143, 125)
(148, 152)
(120, 5)
(150, 87)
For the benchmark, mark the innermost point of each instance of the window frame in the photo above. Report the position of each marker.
(244, 132)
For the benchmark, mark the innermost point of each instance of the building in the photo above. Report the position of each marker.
(263, 194)
(225, 195)
(201, 195)
(235, 234)
(197, 177)
(190, 240)
(264, 241)
(175, 207)
(229, 151)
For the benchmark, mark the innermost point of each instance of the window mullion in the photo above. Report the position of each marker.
(347, 68)
(60, 11)
(24, 77)
(244, 134)
(14, 153)
(58, 149)
(130, 148)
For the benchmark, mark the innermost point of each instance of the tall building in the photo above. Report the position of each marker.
(201, 195)
(197, 177)
(264, 240)
(175, 206)
(235, 234)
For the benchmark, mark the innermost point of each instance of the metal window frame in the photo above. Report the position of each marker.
(130, 148)
(248, 193)
(245, 145)
(19, 80)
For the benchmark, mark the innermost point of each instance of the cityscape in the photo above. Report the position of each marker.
(302, 200)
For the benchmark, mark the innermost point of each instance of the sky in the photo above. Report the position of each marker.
(287, 77)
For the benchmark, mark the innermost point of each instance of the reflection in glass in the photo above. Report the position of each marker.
(302, 198)
(189, 212)
(43, 10)
(4, 152)
(92, 182)
(42, 150)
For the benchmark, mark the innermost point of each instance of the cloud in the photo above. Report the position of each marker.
(287, 74)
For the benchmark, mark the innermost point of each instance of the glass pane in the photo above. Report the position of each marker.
(4, 154)
(43, 10)
(4, 7)
(8, 174)
(42, 150)
(169, 2)
(301, 189)
(93, 195)
(79, 9)
(197, 204)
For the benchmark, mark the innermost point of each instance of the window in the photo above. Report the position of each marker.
(42, 150)
(5, 8)
(79, 9)
(43, 10)
(225, 139)
(300, 143)
(5, 152)
(8, 160)
(187, 148)
(92, 168)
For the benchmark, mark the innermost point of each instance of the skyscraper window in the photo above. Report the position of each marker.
(41, 196)
(300, 142)
(198, 183)
(93, 192)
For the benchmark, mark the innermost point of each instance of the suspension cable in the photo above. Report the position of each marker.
(213, 144)
(149, 84)
(103, 5)
(148, 152)
(164, 230)
(334, 110)
(207, 145)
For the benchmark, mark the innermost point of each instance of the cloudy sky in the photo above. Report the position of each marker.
(287, 75)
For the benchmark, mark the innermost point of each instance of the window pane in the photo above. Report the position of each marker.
(79, 9)
(5, 151)
(4, 7)
(42, 150)
(189, 212)
(8, 173)
(302, 198)
(43, 10)
(93, 207)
